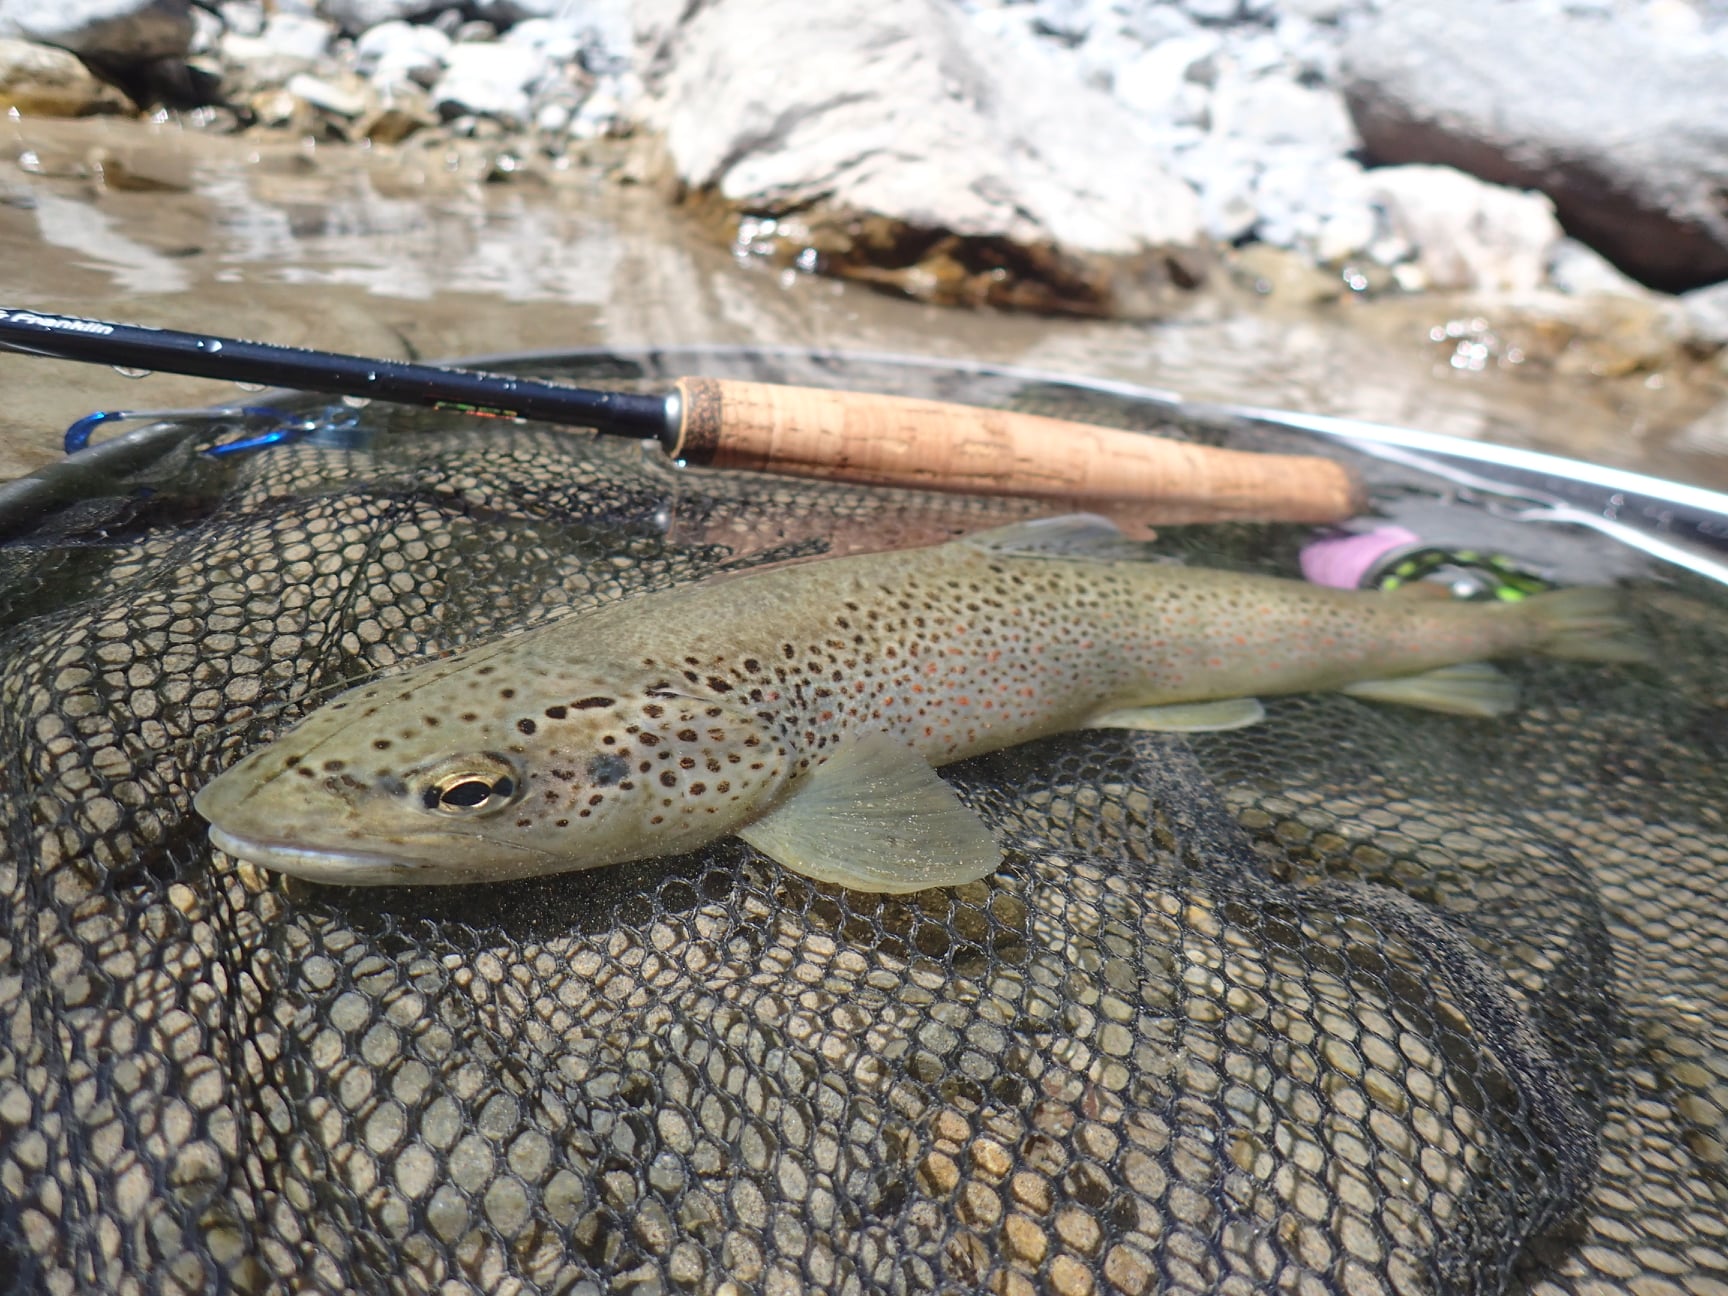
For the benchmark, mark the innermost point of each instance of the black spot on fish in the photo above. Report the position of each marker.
(606, 770)
(589, 704)
(390, 785)
(668, 779)
(333, 766)
(380, 744)
(686, 735)
(556, 713)
(718, 685)
(506, 694)
(525, 726)
(653, 712)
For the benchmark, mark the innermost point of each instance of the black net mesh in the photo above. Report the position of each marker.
(1357, 1000)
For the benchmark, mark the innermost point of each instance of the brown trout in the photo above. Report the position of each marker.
(804, 708)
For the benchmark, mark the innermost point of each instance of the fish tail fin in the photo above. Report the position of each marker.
(1586, 624)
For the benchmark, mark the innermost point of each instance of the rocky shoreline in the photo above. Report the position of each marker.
(1098, 157)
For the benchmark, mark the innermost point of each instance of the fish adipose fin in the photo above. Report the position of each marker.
(1184, 717)
(875, 817)
(1074, 536)
(1472, 689)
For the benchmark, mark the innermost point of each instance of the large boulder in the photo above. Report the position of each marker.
(40, 80)
(124, 32)
(904, 111)
(1624, 127)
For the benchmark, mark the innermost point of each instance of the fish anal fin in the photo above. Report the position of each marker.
(876, 817)
(1184, 717)
(1472, 689)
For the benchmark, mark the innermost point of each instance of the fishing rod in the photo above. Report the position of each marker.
(801, 431)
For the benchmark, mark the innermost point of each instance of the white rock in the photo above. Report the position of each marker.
(343, 101)
(121, 31)
(1214, 11)
(1468, 234)
(489, 80)
(1326, 11)
(1228, 209)
(1070, 21)
(1169, 81)
(1705, 312)
(904, 108)
(1153, 24)
(506, 13)
(288, 45)
(1346, 233)
(244, 17)
(297, 36)
(1275, 110)
(607, 110)
(558, 40)
(398, 53)
(553, 118)
(357, 16)
(1580, 271)
(207, 29)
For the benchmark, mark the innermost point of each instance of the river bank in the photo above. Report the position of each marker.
(345, 196)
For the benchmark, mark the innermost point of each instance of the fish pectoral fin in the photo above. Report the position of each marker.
(1184, 717)
(1074, 536)
(1472, 689)
(875, 817)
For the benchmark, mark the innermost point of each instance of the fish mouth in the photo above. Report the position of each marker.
(345, 867)
(348, 866)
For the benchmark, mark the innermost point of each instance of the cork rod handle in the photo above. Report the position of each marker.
(897, 441)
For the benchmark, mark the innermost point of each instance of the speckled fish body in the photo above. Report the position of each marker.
(804, 708)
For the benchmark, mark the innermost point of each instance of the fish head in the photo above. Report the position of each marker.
(430, 779)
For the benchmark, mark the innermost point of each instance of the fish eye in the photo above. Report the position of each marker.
(472, 786)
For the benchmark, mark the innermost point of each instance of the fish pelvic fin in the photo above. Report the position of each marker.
(876, 817)
(1470, 689)
(1586, 624)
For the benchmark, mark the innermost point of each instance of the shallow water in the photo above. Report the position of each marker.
(412, 255)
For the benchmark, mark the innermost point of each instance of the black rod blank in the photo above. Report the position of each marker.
(201, 355)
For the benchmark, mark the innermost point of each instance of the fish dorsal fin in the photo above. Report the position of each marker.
(1074, 536)
(1184, 717)
(1470, 688)
(875, 817)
